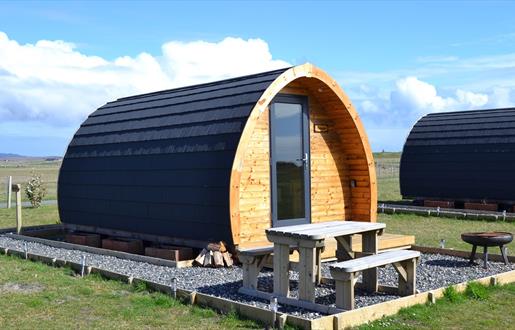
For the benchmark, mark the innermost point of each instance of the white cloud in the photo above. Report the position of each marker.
(198, 61)
(52, 82)
(389, 119)
(369, 107)
(414, 95)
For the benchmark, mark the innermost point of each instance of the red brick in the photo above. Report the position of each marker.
(442, 204)
(176, 253)
(83, 239)
(124, 245)
(481, 206)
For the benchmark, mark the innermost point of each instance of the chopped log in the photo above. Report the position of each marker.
(223, 249)
(228, 259)
(200, 258)
(215, 254)
(207, 260)
(218, 260)
(219, 246)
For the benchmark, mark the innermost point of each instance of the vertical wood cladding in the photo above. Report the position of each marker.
(336, 157)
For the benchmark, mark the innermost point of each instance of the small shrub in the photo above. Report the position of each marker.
(35, 190)
(452, 295)
(476, 291)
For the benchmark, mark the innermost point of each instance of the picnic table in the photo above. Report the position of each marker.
(310, 239)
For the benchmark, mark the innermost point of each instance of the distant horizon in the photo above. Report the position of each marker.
(4, 154)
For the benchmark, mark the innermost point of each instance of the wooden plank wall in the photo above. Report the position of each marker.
(255, 185)
(337, 156)
(357, 167)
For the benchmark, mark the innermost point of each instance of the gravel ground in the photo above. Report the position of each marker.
(434, 271)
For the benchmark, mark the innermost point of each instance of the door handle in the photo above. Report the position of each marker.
(305, 159)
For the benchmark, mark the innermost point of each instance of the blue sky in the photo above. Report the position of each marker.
(396, 60)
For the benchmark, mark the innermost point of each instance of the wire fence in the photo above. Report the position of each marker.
(387, 168)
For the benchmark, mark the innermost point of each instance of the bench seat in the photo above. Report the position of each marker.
(376, 260)
(345, 274)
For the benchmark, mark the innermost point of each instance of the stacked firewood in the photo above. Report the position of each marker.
(214, 255)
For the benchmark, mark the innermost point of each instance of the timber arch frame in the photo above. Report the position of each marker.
(354, 144)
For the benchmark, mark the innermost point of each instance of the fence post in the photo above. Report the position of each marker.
(8, 190)
(17, 189)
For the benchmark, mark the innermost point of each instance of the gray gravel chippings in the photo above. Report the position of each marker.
(434, 271)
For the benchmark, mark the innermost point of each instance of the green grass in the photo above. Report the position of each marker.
(387, 155)
(21, 172)
(464, 310)
(52, 298)
(429, 230)
(388, 189)
(44, 215)
(387, 171)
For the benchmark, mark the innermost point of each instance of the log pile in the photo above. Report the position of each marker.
(214, 255)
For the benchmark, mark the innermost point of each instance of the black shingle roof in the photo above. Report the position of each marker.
(160, 163)
(465, 155)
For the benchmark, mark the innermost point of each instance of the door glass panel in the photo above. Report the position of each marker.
(289, 168)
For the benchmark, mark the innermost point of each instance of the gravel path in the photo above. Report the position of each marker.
(434, 271)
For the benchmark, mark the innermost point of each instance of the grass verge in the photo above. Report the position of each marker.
(37, 296)
(44, 215)
(429, 230)
(478, 307)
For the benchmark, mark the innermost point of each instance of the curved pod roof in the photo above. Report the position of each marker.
(168, 163)
(464, 156)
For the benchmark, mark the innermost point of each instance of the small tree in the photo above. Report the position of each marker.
(35, 189)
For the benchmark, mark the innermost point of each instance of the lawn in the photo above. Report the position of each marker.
(21, 172)
(489, 310)
(429, 231)
(37, 296)
(387, 171)
(46, 214)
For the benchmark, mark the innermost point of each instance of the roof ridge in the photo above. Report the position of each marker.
(212, 83)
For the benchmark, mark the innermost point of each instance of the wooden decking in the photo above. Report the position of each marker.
(386, 242)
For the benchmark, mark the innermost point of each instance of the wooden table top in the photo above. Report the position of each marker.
(323, 230)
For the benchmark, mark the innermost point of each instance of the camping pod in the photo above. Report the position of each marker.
(221, 161)
(463, 157)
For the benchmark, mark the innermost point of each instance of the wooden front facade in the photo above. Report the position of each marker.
(342, 172)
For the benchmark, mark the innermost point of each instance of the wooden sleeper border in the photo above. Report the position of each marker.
(341, 320)
(220, 304)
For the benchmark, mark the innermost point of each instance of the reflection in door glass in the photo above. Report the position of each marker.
(289, 167)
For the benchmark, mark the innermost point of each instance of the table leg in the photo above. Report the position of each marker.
(370, 246)
(281, 269)
(344, 248)
(307, 272)
(319, 266)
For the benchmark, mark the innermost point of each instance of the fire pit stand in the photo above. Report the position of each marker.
(486, 239)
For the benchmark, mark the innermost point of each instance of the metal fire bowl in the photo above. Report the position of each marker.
(487, 238)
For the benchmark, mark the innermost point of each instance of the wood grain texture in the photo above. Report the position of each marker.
(339, 155)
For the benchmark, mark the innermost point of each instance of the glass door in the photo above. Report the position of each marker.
(289, 139)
